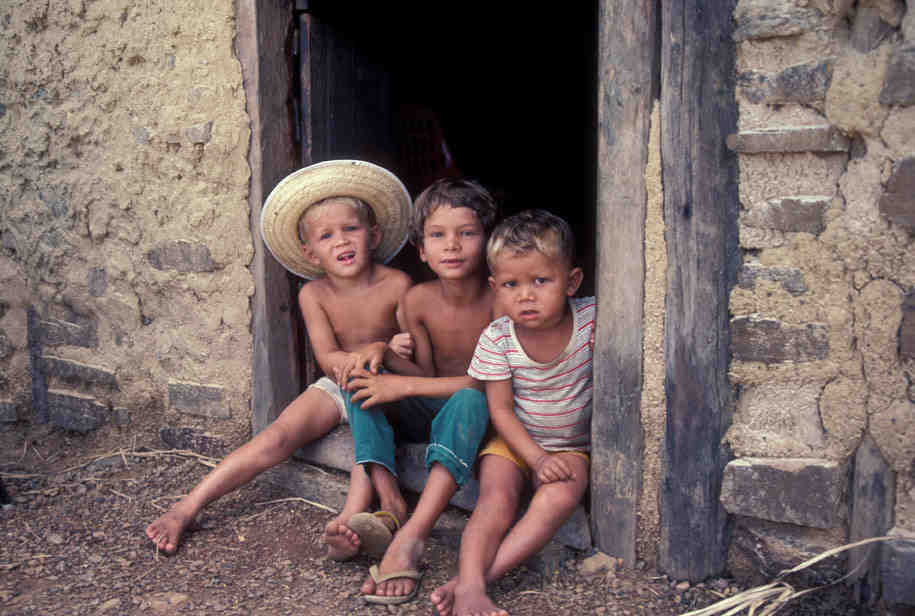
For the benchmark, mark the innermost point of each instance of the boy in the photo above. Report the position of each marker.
(536, 363)
(324, 222)
(436, 399)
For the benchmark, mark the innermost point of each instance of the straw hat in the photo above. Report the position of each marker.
(298, 191)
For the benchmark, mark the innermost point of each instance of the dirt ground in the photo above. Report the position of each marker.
(73, 543)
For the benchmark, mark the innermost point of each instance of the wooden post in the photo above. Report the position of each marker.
(263, 29)
(700, 210)
(627, 84)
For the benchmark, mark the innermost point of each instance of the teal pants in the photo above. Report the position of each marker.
(454, 428)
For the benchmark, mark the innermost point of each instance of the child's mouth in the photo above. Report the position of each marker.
(346, 257)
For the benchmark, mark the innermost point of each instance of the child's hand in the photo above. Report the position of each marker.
(369, 356)
(402, 345)
(551, 467)
(374, 389)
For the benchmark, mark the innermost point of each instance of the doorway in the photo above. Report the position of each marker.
(503, 96)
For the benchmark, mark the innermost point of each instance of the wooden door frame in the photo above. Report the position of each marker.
(696, 80)
(688, 61)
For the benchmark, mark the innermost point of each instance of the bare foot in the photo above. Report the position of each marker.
(342, 543)
(472, 601)
(166, 530)
(403, 553)
(443, 597)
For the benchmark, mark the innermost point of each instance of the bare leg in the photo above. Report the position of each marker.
(310, 416)
(342, 543)
(551, 505)
(389, 495)
(501, 483)
(407, 547)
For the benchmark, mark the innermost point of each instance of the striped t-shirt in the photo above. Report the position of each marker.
(552, 400)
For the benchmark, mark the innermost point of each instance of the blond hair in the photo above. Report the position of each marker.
(362, 209)
(529, 230)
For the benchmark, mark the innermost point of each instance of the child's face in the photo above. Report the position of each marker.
(533, 288)
(453, 243)
(339, 241)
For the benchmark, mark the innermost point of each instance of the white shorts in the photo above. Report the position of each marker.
(329, 387)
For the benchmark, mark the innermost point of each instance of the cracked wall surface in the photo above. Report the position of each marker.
(124, 217)
(819, 315)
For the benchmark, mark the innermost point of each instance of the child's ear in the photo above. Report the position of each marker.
(421, 251)
(575, 278)
(492, 282)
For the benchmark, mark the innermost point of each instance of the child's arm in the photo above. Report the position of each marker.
(328, 353)
(546, 466)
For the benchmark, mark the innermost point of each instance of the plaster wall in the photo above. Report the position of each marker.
(124, 217)
(826, 266)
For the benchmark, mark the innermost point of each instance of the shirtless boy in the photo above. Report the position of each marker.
(327, 222)
(436, 400)
(537, 366)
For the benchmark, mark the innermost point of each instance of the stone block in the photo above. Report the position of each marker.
(896, 568)
(182, 256)
(9, 412)
(802, 83)
(868, 30)
(789, 139)
(873, 492)
(762, 20)
(794, 214)
(760, 550)
(791, 279)
(74, 412)
(77, 375)
(336, 451)
(97, 280)
(196, 399)
(898, 200)
(907, 329)
(899, 83)
(199, 133)
(81, 332)
(193, 440)
(771, 341)
(802, 491)
(778, 420)
(6, 347)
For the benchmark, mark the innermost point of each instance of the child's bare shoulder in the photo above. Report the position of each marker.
(393, 278)
(422, 296)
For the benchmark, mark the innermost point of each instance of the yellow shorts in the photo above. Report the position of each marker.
(497, 446)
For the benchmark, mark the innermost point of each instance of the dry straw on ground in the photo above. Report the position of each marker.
(769, 598)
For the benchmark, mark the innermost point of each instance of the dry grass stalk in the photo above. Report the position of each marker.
(768, 599)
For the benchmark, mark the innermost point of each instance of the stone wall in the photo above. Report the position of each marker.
(824, 429)
(124, 288)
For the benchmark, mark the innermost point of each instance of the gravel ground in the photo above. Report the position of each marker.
(73, 543)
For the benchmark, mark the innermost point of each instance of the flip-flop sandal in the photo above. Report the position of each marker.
(411, 574)
(374, 534)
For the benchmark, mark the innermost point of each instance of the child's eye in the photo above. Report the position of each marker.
(509, 284)
(324, 235)
(468, 233)
(435, 234)
(541, 280)
(351, 227)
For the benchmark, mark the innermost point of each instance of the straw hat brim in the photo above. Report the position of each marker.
(376, 186)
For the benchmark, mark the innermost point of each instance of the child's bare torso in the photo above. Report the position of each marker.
(360, 315)
(453, 329)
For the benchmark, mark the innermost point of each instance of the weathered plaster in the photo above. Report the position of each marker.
(123, 128)
(654, 399)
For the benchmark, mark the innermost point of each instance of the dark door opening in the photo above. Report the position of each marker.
(502, 95)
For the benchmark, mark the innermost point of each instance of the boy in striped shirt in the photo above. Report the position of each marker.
(536, 363)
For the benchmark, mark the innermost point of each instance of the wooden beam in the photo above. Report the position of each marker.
(263, 30)
(700, 210)
(627, 73)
